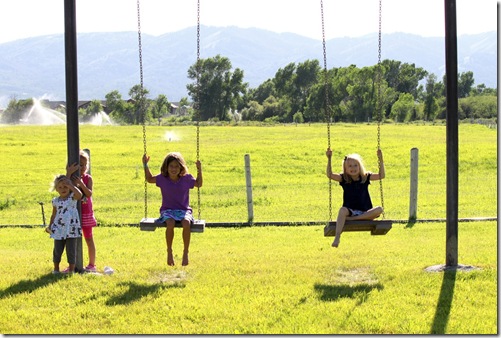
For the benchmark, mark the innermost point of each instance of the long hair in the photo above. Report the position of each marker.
(174, 156)
(84, 155)
(358, 159)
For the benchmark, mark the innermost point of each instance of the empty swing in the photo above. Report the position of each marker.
(150, 224)
(376, 227)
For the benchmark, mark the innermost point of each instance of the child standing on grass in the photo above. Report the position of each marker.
(65, 222)
(85, 183)
(355, 180)
(175, 183)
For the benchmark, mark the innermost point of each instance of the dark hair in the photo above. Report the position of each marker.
(174, 156)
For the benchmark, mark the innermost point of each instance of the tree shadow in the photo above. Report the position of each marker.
(444, 303)
(29, 285)
(332, 293)
(137, 291)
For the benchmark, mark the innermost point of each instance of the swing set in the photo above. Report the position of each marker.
(376, 227)
(150, 224)
(71, 75)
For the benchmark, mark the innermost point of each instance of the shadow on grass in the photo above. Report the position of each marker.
(444, 303)
(410, 224)
(29, 285)
(332, 293)
(137, 291)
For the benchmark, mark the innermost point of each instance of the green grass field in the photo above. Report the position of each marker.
(266, 280)
(263, 280)
(287, 165)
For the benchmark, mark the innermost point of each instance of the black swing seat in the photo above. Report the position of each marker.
(149, 224)
(375, 227)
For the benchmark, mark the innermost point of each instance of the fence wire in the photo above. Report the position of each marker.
(297, 197)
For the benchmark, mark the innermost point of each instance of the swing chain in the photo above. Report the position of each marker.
(141, 103)
(142, 111)
(379, 105)
(197, 104)
(326, 100)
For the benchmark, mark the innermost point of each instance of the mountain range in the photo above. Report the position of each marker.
(35, 67)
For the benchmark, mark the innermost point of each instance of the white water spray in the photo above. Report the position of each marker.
(101, 119)
(40, 115)
(171, 136)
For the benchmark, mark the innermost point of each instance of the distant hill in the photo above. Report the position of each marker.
(34, 67)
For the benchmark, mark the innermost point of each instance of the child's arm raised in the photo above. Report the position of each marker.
(77, 194)
(381, 174)
(71, 169)
(199, 180)
(70, 173)
(147, 173)
(328, 172)
(86, 189)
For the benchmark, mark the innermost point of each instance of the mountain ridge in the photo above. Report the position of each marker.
(34, 67)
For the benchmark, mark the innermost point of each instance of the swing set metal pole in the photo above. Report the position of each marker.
(72, 131)
(451, 72)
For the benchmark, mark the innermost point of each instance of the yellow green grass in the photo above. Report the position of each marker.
(287, 165)
(263, 280)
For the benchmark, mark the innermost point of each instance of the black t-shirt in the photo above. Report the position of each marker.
(356, 194)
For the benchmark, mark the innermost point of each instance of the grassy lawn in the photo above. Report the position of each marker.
(263, 280)
(266, 280)
(287, 165)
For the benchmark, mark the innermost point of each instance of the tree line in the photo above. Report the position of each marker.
(300, 92)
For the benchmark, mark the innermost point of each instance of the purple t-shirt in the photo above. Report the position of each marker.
(175, 195)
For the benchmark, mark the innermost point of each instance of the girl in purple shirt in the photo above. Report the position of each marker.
(175, 183)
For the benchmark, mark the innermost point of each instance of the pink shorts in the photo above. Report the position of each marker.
(87, 232)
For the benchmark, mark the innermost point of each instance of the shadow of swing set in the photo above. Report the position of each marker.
(375, 227)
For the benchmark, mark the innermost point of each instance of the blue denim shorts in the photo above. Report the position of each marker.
(177, 215)
(356, 212)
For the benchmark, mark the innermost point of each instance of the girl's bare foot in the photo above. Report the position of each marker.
(185, 258)
(335, 243)
(170, 258)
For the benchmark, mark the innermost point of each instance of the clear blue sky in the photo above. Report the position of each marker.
(27, 18)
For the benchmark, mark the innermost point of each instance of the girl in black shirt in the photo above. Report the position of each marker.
(355, 180)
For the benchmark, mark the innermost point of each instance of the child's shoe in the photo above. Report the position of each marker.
(90, 268)
(67, 270)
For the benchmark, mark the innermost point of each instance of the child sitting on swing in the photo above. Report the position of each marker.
(175, 183)
(355, 180)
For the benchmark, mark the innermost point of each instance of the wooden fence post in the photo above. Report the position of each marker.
(414, 184)
(250, 211)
